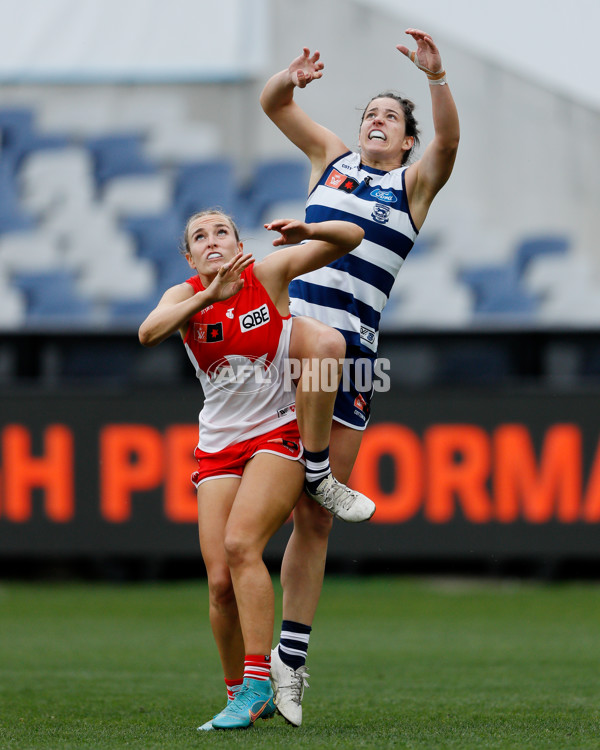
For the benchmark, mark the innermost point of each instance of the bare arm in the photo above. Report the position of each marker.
(329, 240)
(277, 100)
(179, 303)
(426, 177)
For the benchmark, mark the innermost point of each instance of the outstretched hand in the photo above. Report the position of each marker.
(228, 281)
(292, 231)
(427, 56)
(305, 68)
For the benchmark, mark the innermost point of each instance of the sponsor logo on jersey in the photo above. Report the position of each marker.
(229, 313)
(208, 333)
(255, 318)
(367, 334)
(206, 309)
(335, 179)
(289, 409)
(380, 213)
(384, 195)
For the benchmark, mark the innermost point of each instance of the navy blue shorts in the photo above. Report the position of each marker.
(353, 401)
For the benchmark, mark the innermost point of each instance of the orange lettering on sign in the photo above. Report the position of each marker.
(458, 466)
(52, 472)
(404, 448)
(180, 494)
(131, 460)
(591, 502)
(537, 495)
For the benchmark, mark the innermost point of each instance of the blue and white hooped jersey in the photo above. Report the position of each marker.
(350, 293)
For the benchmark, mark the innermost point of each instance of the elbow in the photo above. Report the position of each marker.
(145, 337)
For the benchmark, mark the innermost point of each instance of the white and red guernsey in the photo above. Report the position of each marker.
(240, 350)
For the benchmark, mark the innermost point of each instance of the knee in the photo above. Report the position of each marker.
(329, 344)
(312, 521)
(238, 550)
(220, 589)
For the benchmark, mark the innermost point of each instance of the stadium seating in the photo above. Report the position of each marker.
(96, 214)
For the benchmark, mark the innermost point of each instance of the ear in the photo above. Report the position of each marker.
(408, 142)
(190, 260)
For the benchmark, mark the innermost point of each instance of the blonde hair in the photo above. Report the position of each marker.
(184, 245)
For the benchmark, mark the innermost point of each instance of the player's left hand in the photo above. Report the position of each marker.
(427, 56)
(292, 231)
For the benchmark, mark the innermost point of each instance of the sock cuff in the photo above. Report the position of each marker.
(295, 627)
(317, 456)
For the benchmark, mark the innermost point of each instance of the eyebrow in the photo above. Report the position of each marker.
(217, 226)
(387, 109)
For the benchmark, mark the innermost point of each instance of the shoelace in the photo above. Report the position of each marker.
(339, 497)
(299, 680)
(243, 700)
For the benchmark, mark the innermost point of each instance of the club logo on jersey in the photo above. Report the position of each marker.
(335, 179)
(208, 333)
(229, 313)
(380, 213)
(384, 195)
(243, 375)
(340, 181)
(255, 318)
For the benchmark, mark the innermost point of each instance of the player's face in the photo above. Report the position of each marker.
(212, 242)
(382, 132)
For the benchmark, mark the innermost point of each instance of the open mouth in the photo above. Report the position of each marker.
(213, 256)
(377, 135)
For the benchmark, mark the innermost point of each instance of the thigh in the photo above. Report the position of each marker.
(215, 500)
(268, 492)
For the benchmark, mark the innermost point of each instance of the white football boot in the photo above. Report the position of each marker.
(288, 688)
(341, 501)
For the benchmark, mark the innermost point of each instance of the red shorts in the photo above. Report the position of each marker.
(231, 461)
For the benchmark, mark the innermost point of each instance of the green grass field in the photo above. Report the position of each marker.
(395, 662)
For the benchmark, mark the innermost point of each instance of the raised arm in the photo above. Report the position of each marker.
(277, 99)
(427, 176)
(179, 303)
(328, 240)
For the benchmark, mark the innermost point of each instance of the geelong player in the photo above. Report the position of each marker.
(234, 319)
(389, 198)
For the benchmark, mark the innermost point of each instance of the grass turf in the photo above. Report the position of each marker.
(396, 663)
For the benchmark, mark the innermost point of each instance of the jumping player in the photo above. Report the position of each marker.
(377, 189)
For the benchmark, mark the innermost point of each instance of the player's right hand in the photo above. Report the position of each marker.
(305, 68)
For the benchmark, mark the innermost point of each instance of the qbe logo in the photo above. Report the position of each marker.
(254, 318)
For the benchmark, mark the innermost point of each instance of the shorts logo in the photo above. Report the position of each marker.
(384, 195)
(290, 408)
(360, 403)
(380, 213)
(255, 318)
(289, 444)
(208, 333)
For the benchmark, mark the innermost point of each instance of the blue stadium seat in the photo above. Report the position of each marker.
(206, 184)
(157, 237)
(497, 291)
(19, 138)
(116, 155)
(12, 217)
(535, 246)
(52, 299)
(273, 182)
